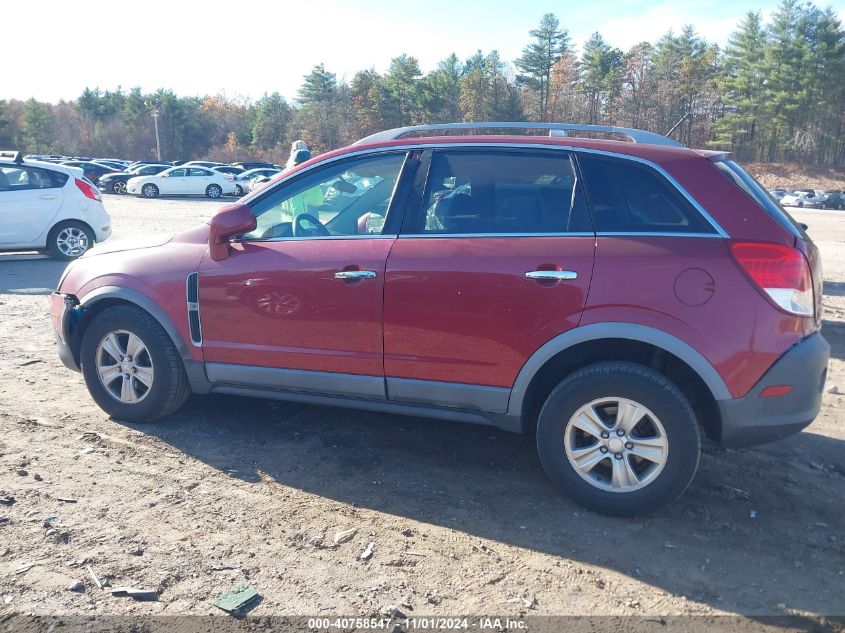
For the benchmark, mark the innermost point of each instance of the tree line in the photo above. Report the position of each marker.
(775, 92)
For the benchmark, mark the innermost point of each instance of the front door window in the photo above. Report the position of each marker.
(347, 199)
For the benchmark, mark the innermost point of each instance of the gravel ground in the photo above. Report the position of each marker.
(462, 519)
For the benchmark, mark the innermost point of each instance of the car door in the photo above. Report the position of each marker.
(198, 179)
(298, 303)
(173, 182)
(495, 261)
(29, 200)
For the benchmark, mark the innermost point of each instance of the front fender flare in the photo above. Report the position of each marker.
(142, 301)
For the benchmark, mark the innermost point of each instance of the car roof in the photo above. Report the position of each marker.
(65, 169)
(653, 153)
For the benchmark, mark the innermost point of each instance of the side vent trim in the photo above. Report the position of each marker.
(192, 296)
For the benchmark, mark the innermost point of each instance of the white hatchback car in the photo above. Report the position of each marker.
(183, 181)
(48, 206)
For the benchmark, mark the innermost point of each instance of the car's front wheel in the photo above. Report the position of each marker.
(213, 191)
(239, 191)
(119, 187)
(149, 191)
(619, 438)
(69, 240)
(131, 366)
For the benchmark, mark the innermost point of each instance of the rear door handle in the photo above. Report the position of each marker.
(551, 275)
(355, 274)
(47, 196)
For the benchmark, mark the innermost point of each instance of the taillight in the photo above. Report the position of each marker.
(90, 191)
(782, 272)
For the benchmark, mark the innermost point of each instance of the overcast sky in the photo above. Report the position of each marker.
(244, 49)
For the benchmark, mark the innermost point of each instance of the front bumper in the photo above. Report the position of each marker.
(64, 312)
(753, 419)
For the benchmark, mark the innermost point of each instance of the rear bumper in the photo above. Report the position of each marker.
(753, 419)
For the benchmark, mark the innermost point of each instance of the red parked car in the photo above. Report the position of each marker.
(616, 299)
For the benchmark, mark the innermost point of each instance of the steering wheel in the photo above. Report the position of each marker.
(315, 230)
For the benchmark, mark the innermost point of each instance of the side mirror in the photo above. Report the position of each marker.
(228, 222)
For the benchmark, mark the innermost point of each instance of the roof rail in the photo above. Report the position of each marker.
(15, 156)
(555, 129)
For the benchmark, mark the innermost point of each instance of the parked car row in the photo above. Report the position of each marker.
(154, 178)
(113, 175)
(810, 198)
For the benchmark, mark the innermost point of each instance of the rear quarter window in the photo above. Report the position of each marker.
(745, 181)
(629, 197)
(59, 179)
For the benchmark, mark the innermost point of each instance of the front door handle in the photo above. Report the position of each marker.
(551, 275)
(352, 275)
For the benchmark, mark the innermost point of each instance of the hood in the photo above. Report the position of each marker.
(129, 244)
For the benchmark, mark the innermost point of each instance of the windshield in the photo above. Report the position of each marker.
(761, 196)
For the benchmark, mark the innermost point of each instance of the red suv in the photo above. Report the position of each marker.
(614, 298)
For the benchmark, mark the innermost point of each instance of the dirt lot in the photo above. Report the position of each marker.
(463, 520)
(797, 175)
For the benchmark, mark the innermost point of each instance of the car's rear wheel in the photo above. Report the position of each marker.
(119, 187)
(213, 191)
(239, 191)
(149, 191)
(619, 438)
(131, 367)
(69, 240)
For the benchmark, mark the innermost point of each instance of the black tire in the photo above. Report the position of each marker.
(149, 190)
(170, 388)
(239, 191)
(119, 187)
(213, 191)
(59, 251)
(650, 389)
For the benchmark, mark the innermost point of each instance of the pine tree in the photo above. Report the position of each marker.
(318, 115)
(6, 137)
(270, 121)
(37, 125)
(404, 91)
(442, 91)
(741, 84)
(600, 76)
(538, 59)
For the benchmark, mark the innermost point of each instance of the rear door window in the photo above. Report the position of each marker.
(495, 192)
(629, 197)
(17, 178)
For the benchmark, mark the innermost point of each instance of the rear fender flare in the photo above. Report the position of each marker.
(597, 331)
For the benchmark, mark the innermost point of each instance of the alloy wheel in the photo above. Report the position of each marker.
(72, 241)
(124, 366)
(616, 444)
